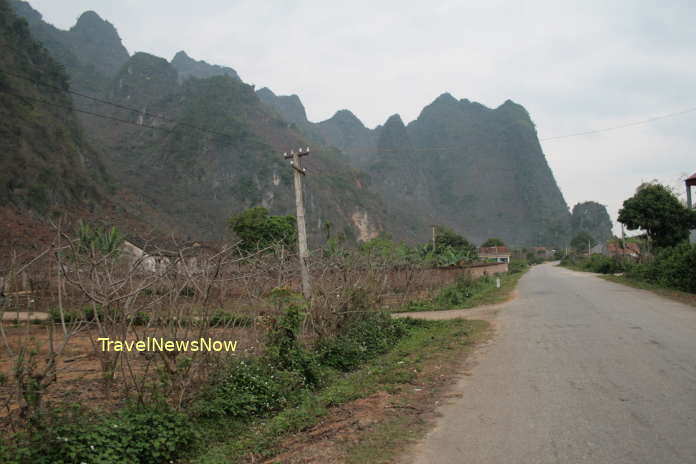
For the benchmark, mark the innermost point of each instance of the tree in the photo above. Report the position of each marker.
(493, 242)
(448, 241)
(655, 209)
(581, 240)
(257, 229)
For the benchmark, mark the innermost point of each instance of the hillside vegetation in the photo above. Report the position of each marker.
(45, 160)
(478, 170)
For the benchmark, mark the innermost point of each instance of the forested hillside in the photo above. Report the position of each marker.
(187, 144)
(476, 169)
(181, 179)
(45, 162)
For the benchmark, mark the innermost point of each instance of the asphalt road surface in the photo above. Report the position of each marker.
(580, 371)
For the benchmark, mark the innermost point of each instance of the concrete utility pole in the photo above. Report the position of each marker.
(434, 226)
(299, 173)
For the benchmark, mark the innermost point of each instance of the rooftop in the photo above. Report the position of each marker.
(494, 250)
(691, 180)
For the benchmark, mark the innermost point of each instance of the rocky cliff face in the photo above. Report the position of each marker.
(461, 164)
(487, 173)
(188, 67)
(96, 43)
(91, 51)
(289, 107)
(477, 169)
(188, 181)
(45, 160)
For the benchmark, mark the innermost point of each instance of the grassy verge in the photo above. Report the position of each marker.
(419, 359)
(676, 295)
(467, 293)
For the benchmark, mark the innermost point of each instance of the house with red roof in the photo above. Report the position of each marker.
(498, 254)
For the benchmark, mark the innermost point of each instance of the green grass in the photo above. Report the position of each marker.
(426, 342)
(676, 295)
(482, 293)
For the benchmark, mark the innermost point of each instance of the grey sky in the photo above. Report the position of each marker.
(575, 66)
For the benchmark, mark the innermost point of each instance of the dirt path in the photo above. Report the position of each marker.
(485, 313)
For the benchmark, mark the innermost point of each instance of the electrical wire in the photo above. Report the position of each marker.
(622, 126)
(70, 108)
(213, 132)
(116, 105)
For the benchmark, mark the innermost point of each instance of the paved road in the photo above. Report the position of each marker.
(581, 371)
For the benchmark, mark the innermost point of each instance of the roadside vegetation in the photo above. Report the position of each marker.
(666, 261)
(65, 399)
(467, 292)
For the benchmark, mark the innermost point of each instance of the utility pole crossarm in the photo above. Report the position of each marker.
(301, 152)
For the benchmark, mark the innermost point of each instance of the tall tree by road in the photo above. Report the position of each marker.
(655, 209)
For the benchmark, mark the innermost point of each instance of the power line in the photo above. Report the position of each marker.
(630, 124)
(116, 105)
(213, 132)
(70, 108)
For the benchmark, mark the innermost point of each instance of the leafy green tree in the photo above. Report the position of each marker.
(257, 229)
(383, 245)
(493, 242)
(580, 241)
(655, 209)
(446, 237)
(449, 246)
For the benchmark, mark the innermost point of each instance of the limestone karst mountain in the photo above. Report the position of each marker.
(478, 170)
(592, 218)
(188, 67)
(45, 158)
(190, 181)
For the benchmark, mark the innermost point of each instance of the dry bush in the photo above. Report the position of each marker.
(175, 292)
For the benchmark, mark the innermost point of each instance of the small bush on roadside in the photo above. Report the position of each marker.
(516, 266)
(673, 267)
(249, 388)
(604, 264)
(464, 288)
(134, 435)
(362, 339)
(284, 351)
(596, 263)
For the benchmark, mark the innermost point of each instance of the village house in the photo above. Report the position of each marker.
(543, 252)
(497, 254)
(158, 256)
(630, 249)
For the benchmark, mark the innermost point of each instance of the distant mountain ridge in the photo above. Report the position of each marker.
(461, 164)
(477, 169)
(188, 67)
(190, 181)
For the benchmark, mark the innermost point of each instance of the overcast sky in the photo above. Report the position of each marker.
(575, 66)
